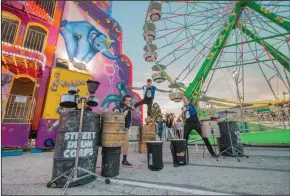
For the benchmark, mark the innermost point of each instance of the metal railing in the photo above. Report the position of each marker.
(34, 40)
(17, 109)
(8, 31)
(48, 6)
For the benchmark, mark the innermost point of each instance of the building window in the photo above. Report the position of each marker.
(48, 6)
(9, 27)
(35, 38)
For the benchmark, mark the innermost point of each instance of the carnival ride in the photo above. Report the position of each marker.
(236, 51)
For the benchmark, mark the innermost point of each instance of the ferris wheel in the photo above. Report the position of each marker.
(229, 51)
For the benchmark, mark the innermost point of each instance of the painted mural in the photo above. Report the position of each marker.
(105, 6)
(91, 41)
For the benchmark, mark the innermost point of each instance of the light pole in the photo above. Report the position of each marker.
(239, 98)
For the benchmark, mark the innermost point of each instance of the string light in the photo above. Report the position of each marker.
(39, 10)
(29, 50)
(25, 57)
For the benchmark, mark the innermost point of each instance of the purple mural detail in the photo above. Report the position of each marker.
(46, 135)
(15, 135)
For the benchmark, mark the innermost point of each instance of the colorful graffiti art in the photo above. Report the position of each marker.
(90, 43)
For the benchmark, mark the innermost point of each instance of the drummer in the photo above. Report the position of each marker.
(125, 108)
(192, 122)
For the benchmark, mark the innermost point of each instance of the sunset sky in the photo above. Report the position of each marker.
(131, 17)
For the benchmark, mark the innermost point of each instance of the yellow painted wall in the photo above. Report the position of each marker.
(58, 85)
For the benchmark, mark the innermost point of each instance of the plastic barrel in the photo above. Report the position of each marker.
(66, 145)
(179, 152)
(154, 155)
(110, 161)
(224, 141)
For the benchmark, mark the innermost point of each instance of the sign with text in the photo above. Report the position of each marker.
(86, 144)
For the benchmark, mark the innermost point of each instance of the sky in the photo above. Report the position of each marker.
(133, 43)
(131, 16)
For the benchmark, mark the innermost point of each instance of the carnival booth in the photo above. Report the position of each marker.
(60, 80)
(28, 39)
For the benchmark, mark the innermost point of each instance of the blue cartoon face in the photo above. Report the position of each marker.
(83, 41)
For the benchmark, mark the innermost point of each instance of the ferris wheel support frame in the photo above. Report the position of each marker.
(280, 57)
(270, 15)
(193, 91)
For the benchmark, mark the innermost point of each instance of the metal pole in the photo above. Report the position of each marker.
(79, 138)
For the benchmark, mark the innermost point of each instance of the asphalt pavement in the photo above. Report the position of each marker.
(265, 172)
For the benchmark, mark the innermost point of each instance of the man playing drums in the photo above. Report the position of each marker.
(125, 108)
(192, 122)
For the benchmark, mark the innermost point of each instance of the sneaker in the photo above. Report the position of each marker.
(126, 164)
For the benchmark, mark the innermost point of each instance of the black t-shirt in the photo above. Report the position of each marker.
(148, 93)
(169, 123)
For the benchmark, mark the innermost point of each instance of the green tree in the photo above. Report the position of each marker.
(156, 111)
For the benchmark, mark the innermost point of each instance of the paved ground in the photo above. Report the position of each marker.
(266, 172)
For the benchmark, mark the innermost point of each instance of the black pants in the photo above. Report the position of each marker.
(148, 102)
(193, 123)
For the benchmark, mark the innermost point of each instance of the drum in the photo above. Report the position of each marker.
(210, 128)
(179, 152)
(154, 155)
(113, 130)
(147, 133)
(224, 143)
(66, 146)
(149, 120)
(92, 101)
(110, 161)
(68, 101)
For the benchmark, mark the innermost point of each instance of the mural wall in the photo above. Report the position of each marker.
(91, 41)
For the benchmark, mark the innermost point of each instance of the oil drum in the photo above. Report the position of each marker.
(66, 146)
(228, 128)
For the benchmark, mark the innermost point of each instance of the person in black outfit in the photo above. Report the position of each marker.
(169, 127)
(149, 93)
(192, 122)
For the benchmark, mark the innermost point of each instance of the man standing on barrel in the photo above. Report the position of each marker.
(149, 93)
(125, 108)
(192, 122)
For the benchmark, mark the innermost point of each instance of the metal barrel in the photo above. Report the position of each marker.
(113, 130)
(147, 133)
(66, 146)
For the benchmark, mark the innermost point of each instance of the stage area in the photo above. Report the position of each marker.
(266, 172)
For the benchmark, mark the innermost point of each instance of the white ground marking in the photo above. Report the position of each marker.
(164, 187)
